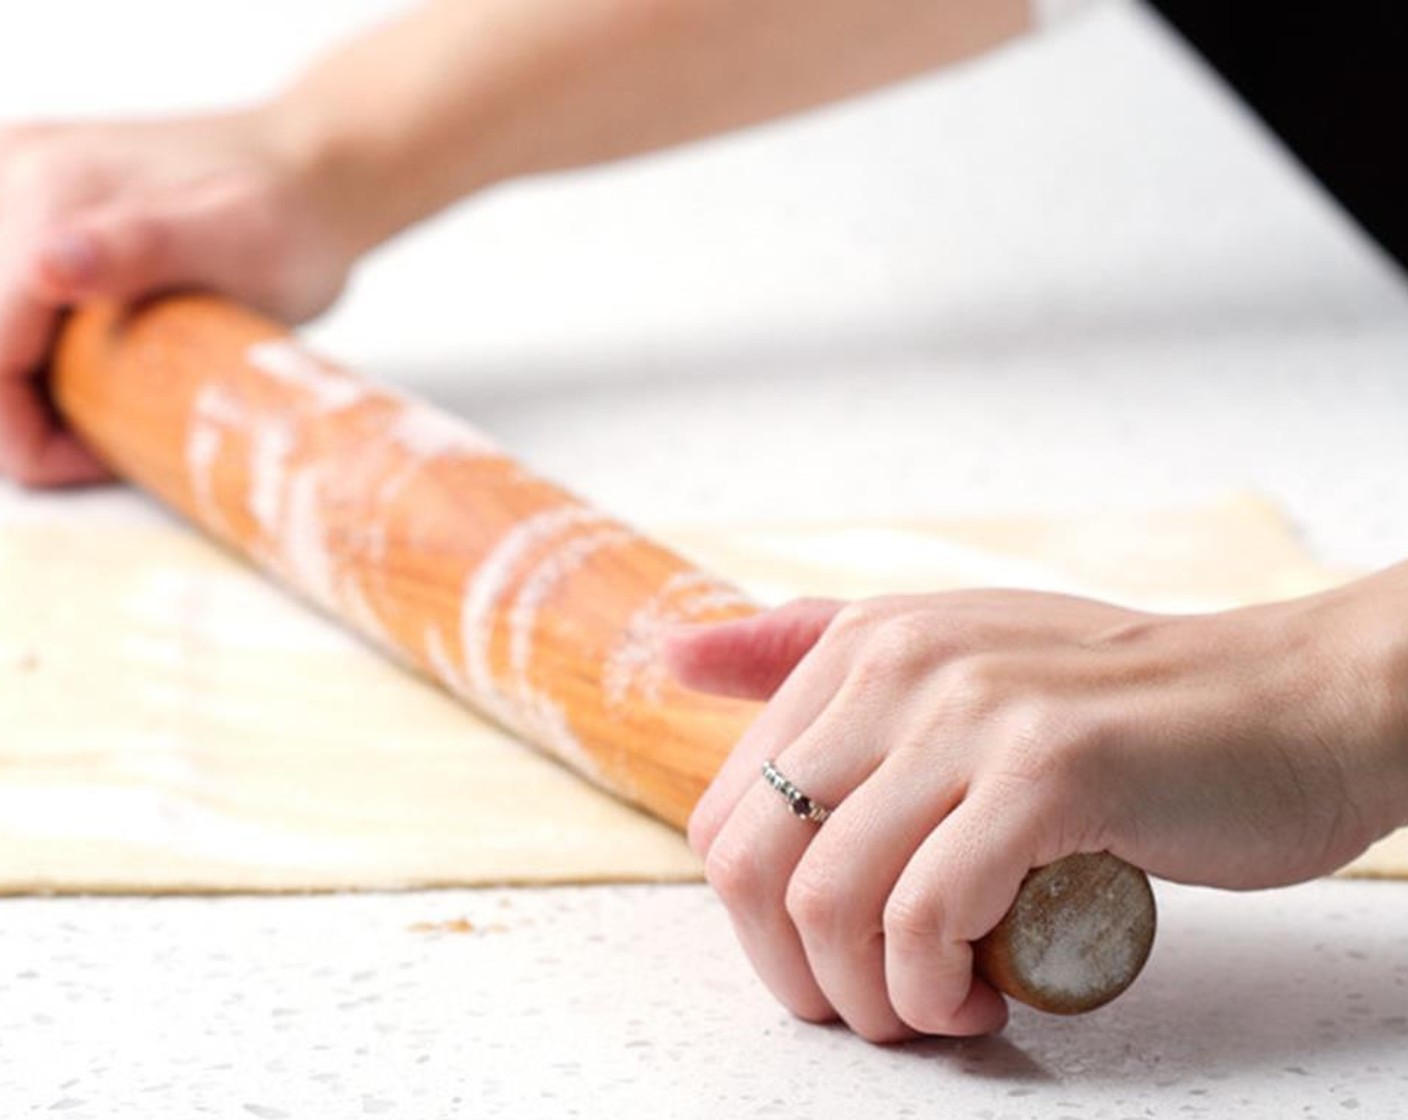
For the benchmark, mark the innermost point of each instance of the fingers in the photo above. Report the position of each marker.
(754, 657)
(120, 252)
(751, 657)
(797, 703)
(123, 252)
(838, 892)
(122, 212)
(750, 865)
(870, 916)
(34, 448)
(958, 885)
(802, 696)
(1004, 699)
(743, 876)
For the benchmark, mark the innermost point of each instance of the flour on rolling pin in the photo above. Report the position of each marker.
(543, 535)
(342, 523)
(633, 667)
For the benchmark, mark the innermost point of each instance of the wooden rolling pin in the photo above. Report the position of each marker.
(536, 609)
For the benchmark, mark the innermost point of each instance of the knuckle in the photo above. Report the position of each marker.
(1030, 733)
(866, 673)
(733, 872)
(922, 1016)
(1052, 747)
(904, 647)
(702, 831)
(907, 641)
(978, 685)
(815, 903)
(913, 919)
(861, 616)
(852, 620)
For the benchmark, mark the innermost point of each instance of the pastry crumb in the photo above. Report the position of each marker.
(453, 925)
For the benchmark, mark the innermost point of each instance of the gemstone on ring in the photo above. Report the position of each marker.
(801, 805)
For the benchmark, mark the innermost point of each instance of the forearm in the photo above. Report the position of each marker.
(464, 93)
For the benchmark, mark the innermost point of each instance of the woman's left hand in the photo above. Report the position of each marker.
(963, 739)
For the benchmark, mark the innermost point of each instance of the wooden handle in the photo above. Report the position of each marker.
(416, 530)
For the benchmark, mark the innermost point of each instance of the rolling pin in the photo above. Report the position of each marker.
(533, 607)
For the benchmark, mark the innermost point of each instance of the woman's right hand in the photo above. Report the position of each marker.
(121, 211)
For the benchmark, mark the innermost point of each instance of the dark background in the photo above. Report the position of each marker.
(1331, 79)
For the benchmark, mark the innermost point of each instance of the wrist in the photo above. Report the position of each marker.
(402, 122)
(1365, 683)
(332, 166)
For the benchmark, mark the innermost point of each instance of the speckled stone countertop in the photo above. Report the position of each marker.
(1074, 275)
(634, 1001)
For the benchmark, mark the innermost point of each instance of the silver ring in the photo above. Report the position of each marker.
(800, 804)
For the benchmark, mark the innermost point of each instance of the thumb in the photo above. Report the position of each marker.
(748, 657)
(119, 254)
(128, 250)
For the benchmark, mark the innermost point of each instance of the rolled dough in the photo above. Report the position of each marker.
(171, 722)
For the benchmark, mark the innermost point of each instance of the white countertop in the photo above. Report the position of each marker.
(1074, 275)
(634, 1001)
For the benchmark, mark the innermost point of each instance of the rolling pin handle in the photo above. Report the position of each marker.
(1076, 937)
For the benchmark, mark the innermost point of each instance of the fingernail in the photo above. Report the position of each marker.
(72, 257)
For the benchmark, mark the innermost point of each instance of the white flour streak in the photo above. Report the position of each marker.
(527, 710)
(443, 664)
(363, 615)
(286, 505)
(633, 667)
(387, 493)
(306, 558)
(547, 720)
(397, 480)
(489, 581)
(539, 585)
(213, 413)
(428, 434)
(271, 444)
(422, 435)
(284, 360)
(202, 448)
(547, 724)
